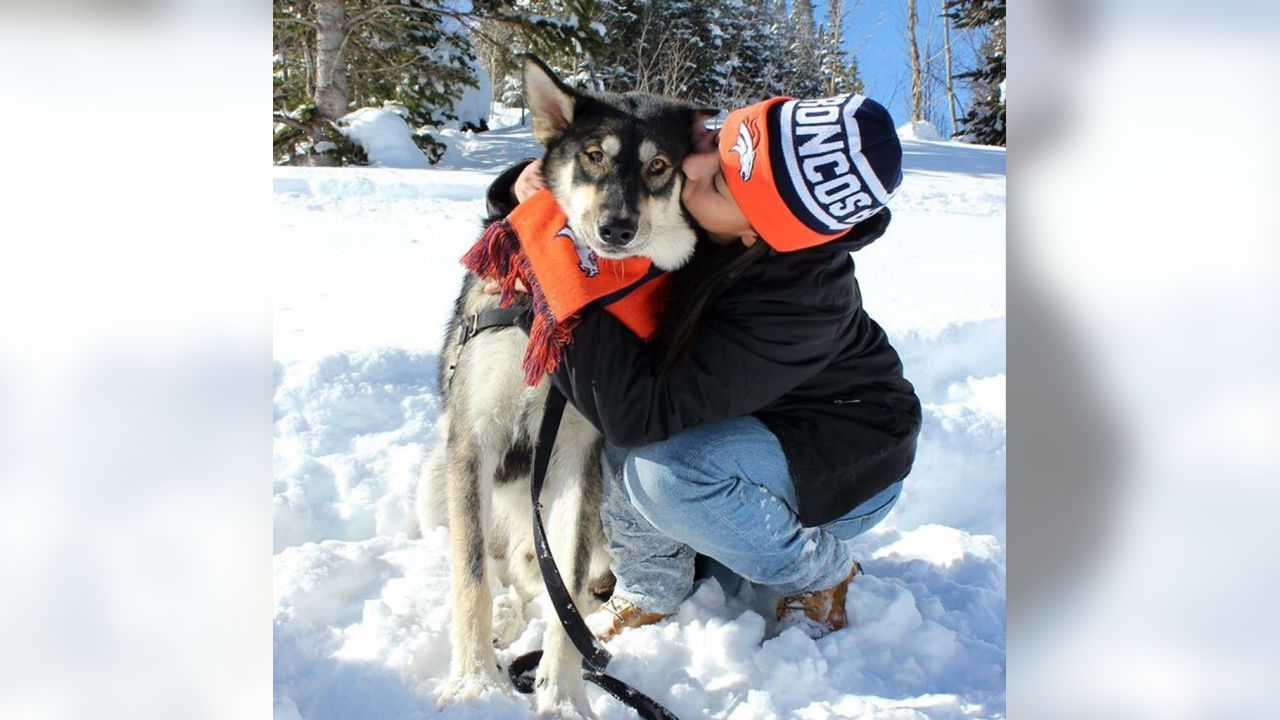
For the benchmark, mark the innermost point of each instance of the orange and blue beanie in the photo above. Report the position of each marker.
(806, 171)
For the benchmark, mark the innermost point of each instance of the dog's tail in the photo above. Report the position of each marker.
(430, 501)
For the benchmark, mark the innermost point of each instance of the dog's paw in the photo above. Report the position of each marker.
(466, 688)
(508, 618)
(567, 701)
(564, 709)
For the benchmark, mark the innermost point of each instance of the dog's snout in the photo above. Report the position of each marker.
(618, 231)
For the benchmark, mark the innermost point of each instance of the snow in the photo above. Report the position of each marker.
(919, 130)
(365, 274)
(501, 116)
(493, 150)
(385, 137)
(473, 106)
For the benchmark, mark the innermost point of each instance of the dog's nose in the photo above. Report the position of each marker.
(619, 231)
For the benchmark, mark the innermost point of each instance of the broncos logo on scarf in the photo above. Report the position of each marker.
(522, 247)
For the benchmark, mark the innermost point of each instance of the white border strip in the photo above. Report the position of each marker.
(793, 170)
(869, 177)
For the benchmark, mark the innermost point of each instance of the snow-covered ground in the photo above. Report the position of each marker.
(365, 271)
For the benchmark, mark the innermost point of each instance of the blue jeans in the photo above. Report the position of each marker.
(722, 490)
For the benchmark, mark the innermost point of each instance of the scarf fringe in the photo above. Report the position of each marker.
(493, 257)
(497, 256)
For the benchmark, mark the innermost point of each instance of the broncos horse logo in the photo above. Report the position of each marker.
(586, 256)
(746, 144)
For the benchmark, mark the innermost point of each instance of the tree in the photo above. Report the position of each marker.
(851, 78)
(804, 78)
(723, 54)
(668, 47)
(419, 55)
(765, 55)
(933, 83)
(985, 121)
(917, 79)
(319, 27)
(951, 92)
(840, 75)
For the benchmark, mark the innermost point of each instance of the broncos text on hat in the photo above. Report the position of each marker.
(805, 171)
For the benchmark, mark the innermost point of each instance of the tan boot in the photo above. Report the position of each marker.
(616, 615)
(818, 612)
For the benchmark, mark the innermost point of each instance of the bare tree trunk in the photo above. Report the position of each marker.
(951, 93)
(835, 18)
(309, 61)
(494, 88)
(331, 67)
(917, 89)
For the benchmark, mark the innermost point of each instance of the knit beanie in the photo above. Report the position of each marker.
(805, 171)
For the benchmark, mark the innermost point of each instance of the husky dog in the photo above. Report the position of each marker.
(613, 163)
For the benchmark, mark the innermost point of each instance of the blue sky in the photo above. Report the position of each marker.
(876, 30)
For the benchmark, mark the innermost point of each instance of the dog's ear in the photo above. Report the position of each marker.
(550, 101)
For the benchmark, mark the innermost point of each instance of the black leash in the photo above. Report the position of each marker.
(595, 658)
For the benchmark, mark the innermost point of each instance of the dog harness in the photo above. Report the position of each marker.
(491, 318)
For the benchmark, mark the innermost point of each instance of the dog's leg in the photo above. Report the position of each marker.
(474, 667)
(576, 471)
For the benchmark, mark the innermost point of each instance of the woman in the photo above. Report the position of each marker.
(769, 422)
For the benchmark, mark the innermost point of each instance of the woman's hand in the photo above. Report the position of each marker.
(529, 182)
(493, 288)
(704, 140)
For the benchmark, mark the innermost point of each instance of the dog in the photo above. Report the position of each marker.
(613, 163)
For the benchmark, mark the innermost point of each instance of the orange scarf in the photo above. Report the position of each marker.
(535, 246)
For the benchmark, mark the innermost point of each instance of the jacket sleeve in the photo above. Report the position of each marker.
(740, 362)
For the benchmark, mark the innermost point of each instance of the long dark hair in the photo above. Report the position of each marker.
(693, 289)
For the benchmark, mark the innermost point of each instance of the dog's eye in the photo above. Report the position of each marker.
(595, 156)
(657, 166)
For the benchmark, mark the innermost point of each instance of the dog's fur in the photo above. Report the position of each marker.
(613, 163)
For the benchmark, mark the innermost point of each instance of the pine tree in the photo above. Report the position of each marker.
(850, 80)
(985, 121)
(839, 75)
(332, 56)
(767, 58)
(727, 44)
(804, 78)
(725, 54)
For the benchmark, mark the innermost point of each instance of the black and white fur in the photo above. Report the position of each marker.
(613, 163)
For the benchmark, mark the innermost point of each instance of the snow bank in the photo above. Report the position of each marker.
(473, 107)
(366, 271)
(494, 150)
(503, 116)
(921, 130)
(385, 137)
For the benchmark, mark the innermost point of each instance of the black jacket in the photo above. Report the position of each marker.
(786, 341)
